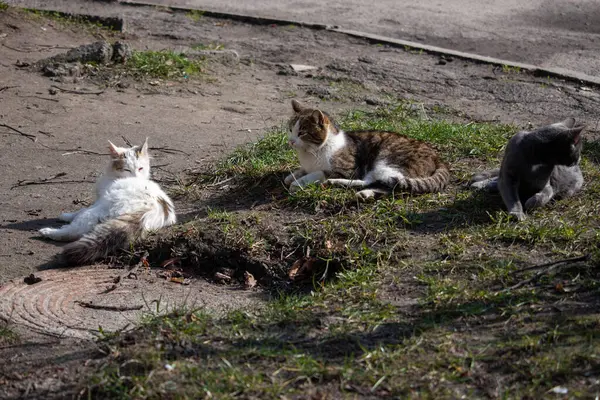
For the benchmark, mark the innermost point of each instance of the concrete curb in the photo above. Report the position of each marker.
(534, 69)
(257, 20)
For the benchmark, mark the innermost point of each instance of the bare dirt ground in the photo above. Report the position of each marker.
(549, 33)
(199, 120)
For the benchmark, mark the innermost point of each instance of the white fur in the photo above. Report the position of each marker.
(381, 172)
(316, 160)
(134, 166)
(313, 160)
(116, 196)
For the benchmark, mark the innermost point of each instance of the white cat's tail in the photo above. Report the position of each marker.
(110, 236)
(105, 239)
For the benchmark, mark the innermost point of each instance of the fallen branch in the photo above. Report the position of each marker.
(550, 264)
(3, 88)
(548, 268)
(169, 150)
(16, 49)
(30, 183)
(27, 135)
(48, 181)
(72, 151)
(75, 91)
(43, 98)
(127, 142)
(69, 152)
(108, 308)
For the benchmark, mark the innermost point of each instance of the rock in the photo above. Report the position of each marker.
(58, 69)
(99, 52)
(302, 67)
(374, 101)
(121, 52)
(321, 92)
(366, 60)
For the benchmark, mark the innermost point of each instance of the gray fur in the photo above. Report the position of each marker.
(104, 239)
(538, 166)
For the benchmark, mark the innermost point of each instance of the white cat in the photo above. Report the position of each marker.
(127, 205)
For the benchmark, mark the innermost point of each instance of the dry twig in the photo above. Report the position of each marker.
(76, 91)
(548, 268)
(108, 308)
(33, 138)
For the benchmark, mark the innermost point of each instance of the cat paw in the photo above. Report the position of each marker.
(49, 233)
(289, 179)
(295, 186)
(365, 195)
(67, 217)
(520, 216)
(536, 201)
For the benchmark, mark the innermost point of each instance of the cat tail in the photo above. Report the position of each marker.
(486, 180)
(434, 183)
(105, 239)
(482, 176)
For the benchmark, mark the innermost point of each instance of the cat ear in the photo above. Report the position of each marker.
(114, 150)
(297, 106)
(144, 151)
(576, 133)
(318, 117)
(569, 122)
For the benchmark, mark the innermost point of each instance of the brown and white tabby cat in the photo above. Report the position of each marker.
(377, 162)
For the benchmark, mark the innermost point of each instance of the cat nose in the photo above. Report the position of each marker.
(291, 143)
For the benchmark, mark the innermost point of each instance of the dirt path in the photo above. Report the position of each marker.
(201, 120)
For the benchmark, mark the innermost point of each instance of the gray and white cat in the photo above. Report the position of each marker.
(538, 166)
(127, 205)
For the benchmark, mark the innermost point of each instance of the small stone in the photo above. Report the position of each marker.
(302, 67)
(442, 61)
(366, 60)
(374, 101)
(121, 52)
(100, 52)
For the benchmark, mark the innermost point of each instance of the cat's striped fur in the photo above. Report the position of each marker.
(377, 162)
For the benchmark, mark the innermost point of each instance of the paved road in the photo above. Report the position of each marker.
(550, 33)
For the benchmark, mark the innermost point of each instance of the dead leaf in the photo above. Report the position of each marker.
(328, 245)
(222, 277)
(249, 280)
(171, 262)
(32, 279)
(294, 269)
(302, 268)
(180, 279)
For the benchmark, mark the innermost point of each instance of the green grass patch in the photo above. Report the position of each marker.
(209, 46)
(90, 23)
(7, 335)
(163, 64)
(3, 6)
(195, 15)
